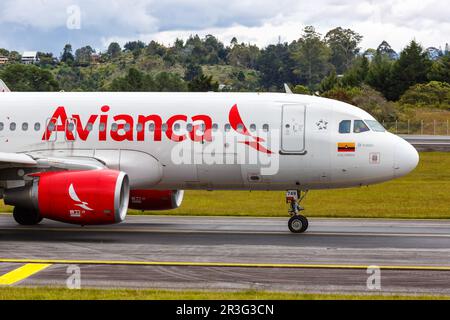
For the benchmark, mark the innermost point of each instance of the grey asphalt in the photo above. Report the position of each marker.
(237, 240)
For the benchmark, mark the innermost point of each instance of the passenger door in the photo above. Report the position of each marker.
(293, 129)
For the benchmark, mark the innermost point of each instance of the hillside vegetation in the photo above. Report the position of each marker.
(389, 85)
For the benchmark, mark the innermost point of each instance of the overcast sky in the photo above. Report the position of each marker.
(46, 25)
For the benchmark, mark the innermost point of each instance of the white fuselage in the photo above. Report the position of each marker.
(245, 141)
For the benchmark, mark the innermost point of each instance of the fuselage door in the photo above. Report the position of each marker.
(293, 128)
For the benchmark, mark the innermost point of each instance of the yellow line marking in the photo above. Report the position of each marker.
(22, 273)
(222, 264)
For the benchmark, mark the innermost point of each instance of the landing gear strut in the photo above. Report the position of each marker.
(26, 217)
(297, 223)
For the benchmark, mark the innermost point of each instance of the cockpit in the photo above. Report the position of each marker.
(359, 126)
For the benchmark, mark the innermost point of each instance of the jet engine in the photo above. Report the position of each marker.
(155, 199)
(91, 197)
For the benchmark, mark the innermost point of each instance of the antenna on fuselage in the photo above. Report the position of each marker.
(3, 87)
(287, 89)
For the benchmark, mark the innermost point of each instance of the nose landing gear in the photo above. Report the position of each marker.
(297, 223)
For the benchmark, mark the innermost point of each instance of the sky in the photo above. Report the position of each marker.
(47, 25)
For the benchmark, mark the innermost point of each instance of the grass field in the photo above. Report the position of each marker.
(425, 193)
(14, 293)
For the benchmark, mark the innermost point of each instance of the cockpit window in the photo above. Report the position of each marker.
(360, 126)
(375, 125)
(344, 126)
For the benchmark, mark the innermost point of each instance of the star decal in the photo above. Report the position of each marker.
(322, 124)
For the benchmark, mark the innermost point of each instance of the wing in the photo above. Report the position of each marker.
(15, 168)
(16, 159)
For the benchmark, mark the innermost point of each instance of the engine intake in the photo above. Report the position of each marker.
(90, 197)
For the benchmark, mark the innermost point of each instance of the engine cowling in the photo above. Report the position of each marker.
(91, 197)
(155, 199)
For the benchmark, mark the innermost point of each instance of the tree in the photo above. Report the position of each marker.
(203, 83)
(440, 70)
(114, 50)
(311, 56)
(344, 47)
(83, 56)
(192, 71)
(46, 59)
(242, 55)
(275, 65)
(169, 82)
(20, 77)
(329, 82)
(412, 67)
(156, 49)
(385, 49)
(357, 74)
(135, 80)
(434, 94)
(379, 74)
(299, 89)
(67, 55)
(14, 56)
(133, 46)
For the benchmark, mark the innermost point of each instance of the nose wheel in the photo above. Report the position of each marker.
(297, 223)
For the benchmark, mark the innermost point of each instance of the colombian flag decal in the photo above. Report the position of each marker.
(346, 147)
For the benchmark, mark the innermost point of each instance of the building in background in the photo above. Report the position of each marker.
(30, 57)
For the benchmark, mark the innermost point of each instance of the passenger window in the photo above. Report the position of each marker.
(176, 127)
(265, 127)
(215, 127)
(102, 127)
(344, 126)
(89, 127)
(139, 127)
(164, 127)
(25, 126)
(37, 126)
(70, 127)
(127, 127)
(114, 127)
(151, 127)
(189, 127)
(253, 127)
(1, 126)
(227, 127)
(12, 126)
(359, 126)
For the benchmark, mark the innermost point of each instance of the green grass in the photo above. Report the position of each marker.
(42, 293)
(425, 193)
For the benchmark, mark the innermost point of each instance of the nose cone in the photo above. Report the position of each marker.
(406, 158)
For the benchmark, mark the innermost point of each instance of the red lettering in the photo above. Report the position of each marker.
(142, 120)
(83, 133)
(127, 127)
(59, 114)
(206, 136)
(170, 124)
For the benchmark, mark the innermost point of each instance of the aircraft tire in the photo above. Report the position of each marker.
(26, 217)
(298, 224)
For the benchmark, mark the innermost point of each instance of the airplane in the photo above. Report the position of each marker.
(86, 158)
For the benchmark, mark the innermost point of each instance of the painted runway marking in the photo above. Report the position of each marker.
(223, 264)
(22, 273)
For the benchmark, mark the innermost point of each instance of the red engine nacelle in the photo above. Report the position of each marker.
(79, 197)
(155, 199)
